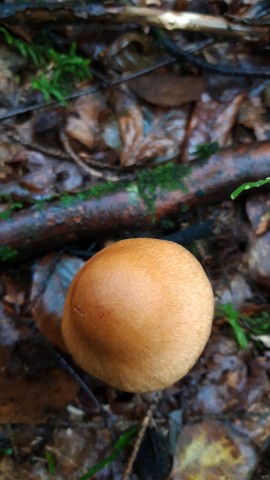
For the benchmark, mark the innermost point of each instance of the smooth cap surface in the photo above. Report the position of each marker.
(138, 314)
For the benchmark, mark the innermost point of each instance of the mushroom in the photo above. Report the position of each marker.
(138, 314)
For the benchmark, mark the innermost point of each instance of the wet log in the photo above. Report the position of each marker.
(41, 13)
(56, 225)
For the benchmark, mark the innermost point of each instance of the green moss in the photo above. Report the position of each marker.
(148, 182)
(101, 189)
(206, 150)
(184, 208)
(12, 206)
(134, 196)
(7, 253)
(167, 224)
(66, 199)
(168, 177)
(97, 191)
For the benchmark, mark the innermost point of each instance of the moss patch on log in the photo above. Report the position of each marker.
(147, 184)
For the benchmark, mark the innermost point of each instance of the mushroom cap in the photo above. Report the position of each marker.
(138, 314)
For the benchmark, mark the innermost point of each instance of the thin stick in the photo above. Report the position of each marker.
(89, 170)
(146, 420)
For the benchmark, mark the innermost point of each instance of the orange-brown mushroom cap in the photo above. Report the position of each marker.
(138, 314)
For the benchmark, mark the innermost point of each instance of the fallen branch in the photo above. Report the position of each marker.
(135, 205)
(70, 11)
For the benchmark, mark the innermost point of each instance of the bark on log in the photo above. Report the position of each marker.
(32, 230)
(71, 11)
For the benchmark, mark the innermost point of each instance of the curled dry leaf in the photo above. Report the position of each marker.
(255, 424)
(8, 151)
(211, 121)
(48, 293)
(165, 89)
(258, 212)
(251, 115)
(131, 128)
(149, 134)
(212, 450)
(233, 380)
(40, 177)
(69, 176)
(83, 122)
(132, 51)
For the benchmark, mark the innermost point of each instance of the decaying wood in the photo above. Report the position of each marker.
(33, 230)
(38, 14)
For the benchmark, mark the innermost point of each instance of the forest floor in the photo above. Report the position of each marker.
(118, 123)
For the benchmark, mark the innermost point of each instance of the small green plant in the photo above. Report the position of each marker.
(28, 51)
(50, 462)
(121, 443)
(62, 71)
(6, 451)
(232, 316)
(7, 253)
(58, 72)
(258, 325)
(12, 206)
(247, 186)
(205, 150)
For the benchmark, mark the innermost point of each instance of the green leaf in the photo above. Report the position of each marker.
(233, 319)
(122, 442)
(7, 253)
(6, 451)
(247, 186)
(50, 462)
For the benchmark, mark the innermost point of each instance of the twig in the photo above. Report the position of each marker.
(145, 422)
(173, 49)
(89, 170)
(105, 414)
(85, 12)
(87, 91)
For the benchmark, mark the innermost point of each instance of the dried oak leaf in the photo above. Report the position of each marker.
(149, 134)
(165, 89)
(211, 121)
(83, 123)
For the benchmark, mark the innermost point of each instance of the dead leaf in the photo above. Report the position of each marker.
(165, 89)
(130, 122)
(26, 401)
(48, 293)
(211, 121)
(258, 212)
(212, 450)
(149, 134)
(83, 124)
(251, 115)
(255, 424)
(233, 379)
